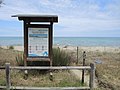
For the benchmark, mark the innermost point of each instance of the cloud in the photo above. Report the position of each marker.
(75, 16)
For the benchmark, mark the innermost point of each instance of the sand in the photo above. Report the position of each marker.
(74, 48)
(19, 48)
(92, 48)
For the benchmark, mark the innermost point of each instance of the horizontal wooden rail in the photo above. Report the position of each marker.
(2, 87)
(53, 68)
(49, 88)
(2, 67)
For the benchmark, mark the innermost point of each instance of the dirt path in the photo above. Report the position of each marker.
(78, 75)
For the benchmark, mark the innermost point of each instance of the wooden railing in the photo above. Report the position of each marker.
(8, 83)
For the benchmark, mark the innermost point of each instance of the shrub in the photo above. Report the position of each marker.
(60, 57)
(11, 47)
(20, 60)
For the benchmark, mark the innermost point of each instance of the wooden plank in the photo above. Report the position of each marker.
(38, 59)
(50, 88)
(92, 76)
(37, 18)
(52, 68)
(2, 87)
(2, 67)
(39, 25)
(46, 88)
(7, 68)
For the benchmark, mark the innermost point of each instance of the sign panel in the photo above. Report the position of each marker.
(38, 42)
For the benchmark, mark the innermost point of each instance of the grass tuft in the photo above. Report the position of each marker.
(11, 47)
(20, 60)
(60, 57)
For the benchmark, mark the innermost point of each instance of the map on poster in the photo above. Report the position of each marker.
(38, 42)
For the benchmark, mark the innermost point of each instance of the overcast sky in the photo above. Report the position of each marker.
(77, 18)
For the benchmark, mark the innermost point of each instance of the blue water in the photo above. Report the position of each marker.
(7, 41)
(73, 41)
(88, 41)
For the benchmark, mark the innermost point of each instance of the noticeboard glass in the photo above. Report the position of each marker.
(38, 42)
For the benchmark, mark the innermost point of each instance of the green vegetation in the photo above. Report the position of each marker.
(11, 47)
(60, 57)
(2, 78)
(8, 56)
(19, 60)
(38, 78)
(61, 78)
(107, 72)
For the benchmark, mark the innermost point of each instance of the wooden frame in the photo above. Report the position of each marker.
(8, 68)
(49, 42)
(27, 23)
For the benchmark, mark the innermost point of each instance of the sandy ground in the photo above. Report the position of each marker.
(92, 48)
(73, 48)
(19, 48)
(78, 74)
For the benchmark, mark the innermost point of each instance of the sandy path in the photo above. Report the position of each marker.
(78, 75)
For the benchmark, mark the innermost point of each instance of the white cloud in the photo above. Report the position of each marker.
(74, 15)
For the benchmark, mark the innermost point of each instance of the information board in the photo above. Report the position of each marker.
(38, 42)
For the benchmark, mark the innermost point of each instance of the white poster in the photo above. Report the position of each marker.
(37, 42)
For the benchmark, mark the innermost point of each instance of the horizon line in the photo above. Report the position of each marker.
(73, 36)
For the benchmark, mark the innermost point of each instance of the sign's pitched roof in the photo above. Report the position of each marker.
(37, 18)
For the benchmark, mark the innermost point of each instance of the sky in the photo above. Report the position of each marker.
(76, 18)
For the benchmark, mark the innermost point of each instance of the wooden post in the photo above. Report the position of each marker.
(84, 56)
(7, 68)
(92, 76)
(77, 54)
(51, 42)
(25, 43)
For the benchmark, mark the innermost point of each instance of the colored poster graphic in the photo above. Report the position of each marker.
(38, 42)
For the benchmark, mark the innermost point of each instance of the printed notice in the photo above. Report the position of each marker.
(38, 42)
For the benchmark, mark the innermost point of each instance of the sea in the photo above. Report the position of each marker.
(72, 41)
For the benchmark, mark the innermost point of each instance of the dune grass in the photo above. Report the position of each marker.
(11, 47)
(108, 71)
(60, 57)
(38, 79)
(35, 78)
(8, 56)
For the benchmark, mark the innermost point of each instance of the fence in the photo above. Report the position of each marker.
(8, 83)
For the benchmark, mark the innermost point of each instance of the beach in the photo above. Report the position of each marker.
(74, 48)
(106, 59)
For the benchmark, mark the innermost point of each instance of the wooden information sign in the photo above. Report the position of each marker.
(38, 37)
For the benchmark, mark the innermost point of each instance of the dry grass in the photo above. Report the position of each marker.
(8, 56)
(60, 79)
(38, 79)
(108, 71)
(35, 78)
(2, 78)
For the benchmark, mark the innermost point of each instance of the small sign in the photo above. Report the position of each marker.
(38, 42)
